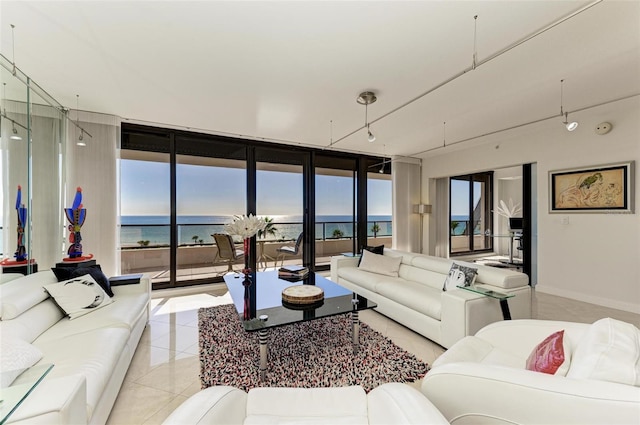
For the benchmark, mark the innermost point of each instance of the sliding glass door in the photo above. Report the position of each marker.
(209, 192)
(279, 198)
(335, 225)
(471, 219)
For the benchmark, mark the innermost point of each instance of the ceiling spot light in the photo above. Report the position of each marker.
(569, 125)
(81, 141)
(366, 98)
(15, 135)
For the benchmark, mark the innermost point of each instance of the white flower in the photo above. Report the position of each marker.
(245, 226)
(509, 211)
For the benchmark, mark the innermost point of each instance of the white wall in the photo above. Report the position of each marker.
(594, 258)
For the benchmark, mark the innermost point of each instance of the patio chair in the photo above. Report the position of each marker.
(227, 252)
(286, 250)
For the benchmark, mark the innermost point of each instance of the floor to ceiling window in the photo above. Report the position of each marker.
(379, 206)
(279, 199)
(470, 221)
(209, 192)
(145, 211)
(335, 208)
(179, 188)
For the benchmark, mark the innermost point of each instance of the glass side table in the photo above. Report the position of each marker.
(506, 314)
(13, 396)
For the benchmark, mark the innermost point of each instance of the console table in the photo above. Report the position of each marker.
(506, 314)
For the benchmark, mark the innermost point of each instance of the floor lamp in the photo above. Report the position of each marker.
(421, 209)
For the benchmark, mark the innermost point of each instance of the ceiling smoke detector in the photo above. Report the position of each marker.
(603, 128)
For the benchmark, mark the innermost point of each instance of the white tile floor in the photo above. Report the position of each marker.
(164, 371)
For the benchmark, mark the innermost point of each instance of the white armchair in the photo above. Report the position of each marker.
(483, 379)
(389, 403)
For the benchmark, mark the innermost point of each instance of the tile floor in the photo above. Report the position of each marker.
(164, 371)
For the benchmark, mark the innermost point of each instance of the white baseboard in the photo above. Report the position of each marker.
(618, 305)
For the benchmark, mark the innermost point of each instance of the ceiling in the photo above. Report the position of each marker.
(291, 71)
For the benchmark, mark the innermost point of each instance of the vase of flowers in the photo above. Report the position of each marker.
(246, 227)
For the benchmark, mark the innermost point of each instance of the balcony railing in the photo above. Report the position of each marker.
(140, 236)
(196, 259)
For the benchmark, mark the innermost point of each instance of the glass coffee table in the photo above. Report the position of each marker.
(12, 396)
(260, 306)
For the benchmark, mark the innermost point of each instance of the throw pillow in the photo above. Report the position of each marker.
(66, 273)
(16, 355)
(550, 356)
(609, 351)
(459, 275)
(78, 296)
(380, 264)
(375, 249)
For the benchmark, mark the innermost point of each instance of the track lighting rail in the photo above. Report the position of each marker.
(475, 64)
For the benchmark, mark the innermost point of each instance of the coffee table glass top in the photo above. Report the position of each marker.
(264, 297)
(12, 396)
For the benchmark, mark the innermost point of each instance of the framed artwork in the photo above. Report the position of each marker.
(604, 188)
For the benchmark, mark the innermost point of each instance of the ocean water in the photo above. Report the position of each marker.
(198, 229)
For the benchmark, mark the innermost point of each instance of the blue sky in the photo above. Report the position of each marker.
(460, 197)
(207, 190)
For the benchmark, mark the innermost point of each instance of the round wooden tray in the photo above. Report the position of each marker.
(302, 294)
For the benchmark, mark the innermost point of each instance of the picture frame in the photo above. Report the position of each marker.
(599, 189)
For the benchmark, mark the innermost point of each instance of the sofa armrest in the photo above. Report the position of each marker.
(464, 313)
(60, 401)
(214, 405)
(342, 261)
(396, 403)
(473, 393)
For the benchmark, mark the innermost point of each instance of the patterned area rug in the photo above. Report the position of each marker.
(318, 353)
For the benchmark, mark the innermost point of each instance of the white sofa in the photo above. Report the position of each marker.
(483, 379)
(91, 354)
(415, 298)
(392, 403)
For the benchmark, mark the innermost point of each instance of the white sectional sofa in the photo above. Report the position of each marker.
(483, 378)
(416, 298)
(392, 403)
(91, 354)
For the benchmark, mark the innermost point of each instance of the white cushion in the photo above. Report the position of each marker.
(610, 351)
(78, 296)
(19, 295)
(337, 405)
(16, 355)
(381, 264)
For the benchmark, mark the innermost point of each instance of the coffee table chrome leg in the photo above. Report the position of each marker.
(356, 331)
(264, 352)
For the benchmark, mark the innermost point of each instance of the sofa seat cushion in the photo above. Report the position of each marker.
(33, 322)
(338, 405)
(476, 350)
(364, 279)
(93, 354)
(413, 295)
(124, 311)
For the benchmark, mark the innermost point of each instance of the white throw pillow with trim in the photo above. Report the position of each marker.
(609, 351)
(380, 264)
(78, 296)
(16, 355)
